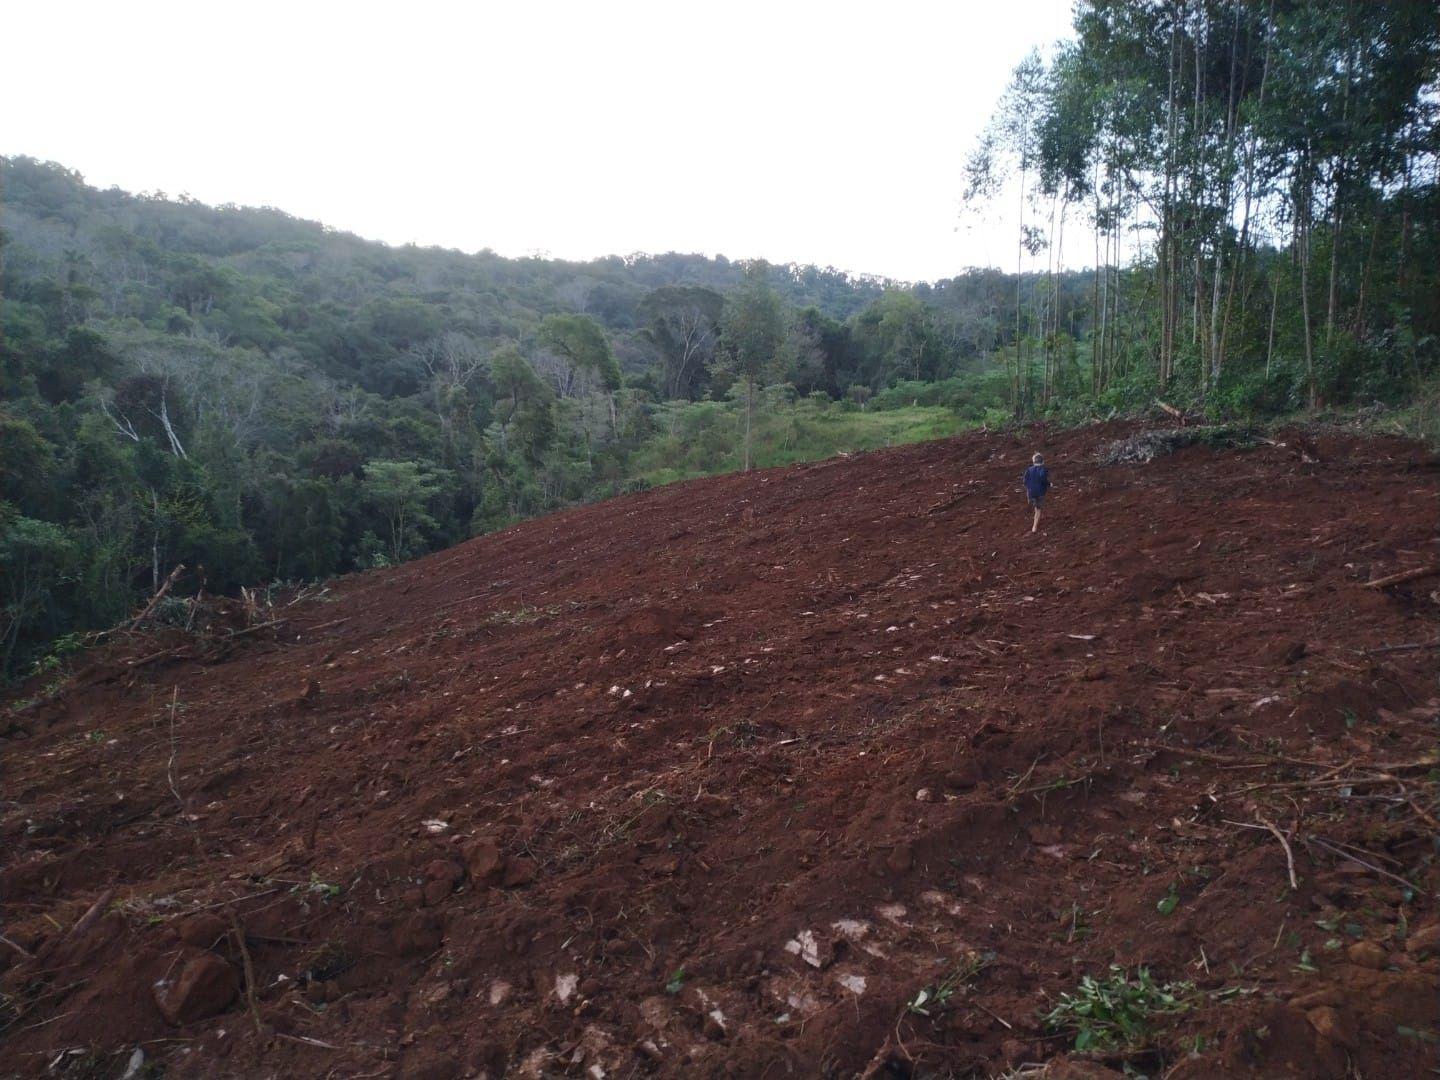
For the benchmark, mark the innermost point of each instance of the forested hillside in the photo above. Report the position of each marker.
(263, 399)
(1252, 188)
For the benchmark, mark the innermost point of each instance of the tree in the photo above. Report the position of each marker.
(752, 328)
(36, 560)
(682, 322)
(581, 343)
(401, 491)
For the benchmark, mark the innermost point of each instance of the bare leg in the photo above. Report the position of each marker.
(1035, 525)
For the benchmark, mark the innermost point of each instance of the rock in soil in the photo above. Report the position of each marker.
(205, 987)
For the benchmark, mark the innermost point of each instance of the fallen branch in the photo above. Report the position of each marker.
(92, 916)
(1404, 575)
(1328, 846)
(251, 629)
(1424, 814)
(160, 595)
(1327, 780)
(324, 625)
(994, 1016)
(946, 504)
(26, 953)
(1413, 646)
(163, 654)
(1289, 855)
(1176, 413)
(305, 1040)
(239, 933)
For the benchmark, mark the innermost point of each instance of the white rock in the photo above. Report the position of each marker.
(806, 947)
(565, 986)
(134, 1065)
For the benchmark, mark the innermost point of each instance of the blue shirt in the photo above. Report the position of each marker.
(1037, 481)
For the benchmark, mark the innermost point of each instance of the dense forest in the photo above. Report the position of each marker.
(1257, 185)
(1251, 187)
(266, 400)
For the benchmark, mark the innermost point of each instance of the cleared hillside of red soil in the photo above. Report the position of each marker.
(714, 780)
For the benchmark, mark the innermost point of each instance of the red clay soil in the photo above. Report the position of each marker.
(714, 780)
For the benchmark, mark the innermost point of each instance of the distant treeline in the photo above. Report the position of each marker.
(265, 399)
(1256, 182)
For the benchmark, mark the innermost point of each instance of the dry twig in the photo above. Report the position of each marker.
(1289, 855)
(1330, 847)
(1404, 575)
(239, 933)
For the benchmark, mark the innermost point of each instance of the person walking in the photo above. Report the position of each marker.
(1037, 483)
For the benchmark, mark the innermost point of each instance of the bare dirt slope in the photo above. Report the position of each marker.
(717, 779)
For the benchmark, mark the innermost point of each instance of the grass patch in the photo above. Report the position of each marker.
(705, 438)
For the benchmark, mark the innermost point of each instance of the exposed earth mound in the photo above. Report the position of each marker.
(829, 770)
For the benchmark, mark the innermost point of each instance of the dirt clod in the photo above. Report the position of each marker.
(205, 987)
(1333, 1025)
(1367, 954)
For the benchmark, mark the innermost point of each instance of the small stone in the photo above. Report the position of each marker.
(205, 987)
(924, 795)
(1333, 1025)
(487, 863)
(1424, 941)
(1367, 954)
(134, 1065)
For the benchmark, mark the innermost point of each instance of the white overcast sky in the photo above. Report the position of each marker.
(830, 133)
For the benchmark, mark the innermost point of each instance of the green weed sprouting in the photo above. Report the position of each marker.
(933, 1000)
(1117, 1011)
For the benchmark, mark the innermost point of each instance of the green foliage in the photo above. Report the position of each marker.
(401, 493)
(37, 563)
(263, 398)
(932, 1000)
(1117, 1011)
(582, 342)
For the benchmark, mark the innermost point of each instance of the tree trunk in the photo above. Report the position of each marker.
(749, 412)
(1303, 230)
(1274, 303)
